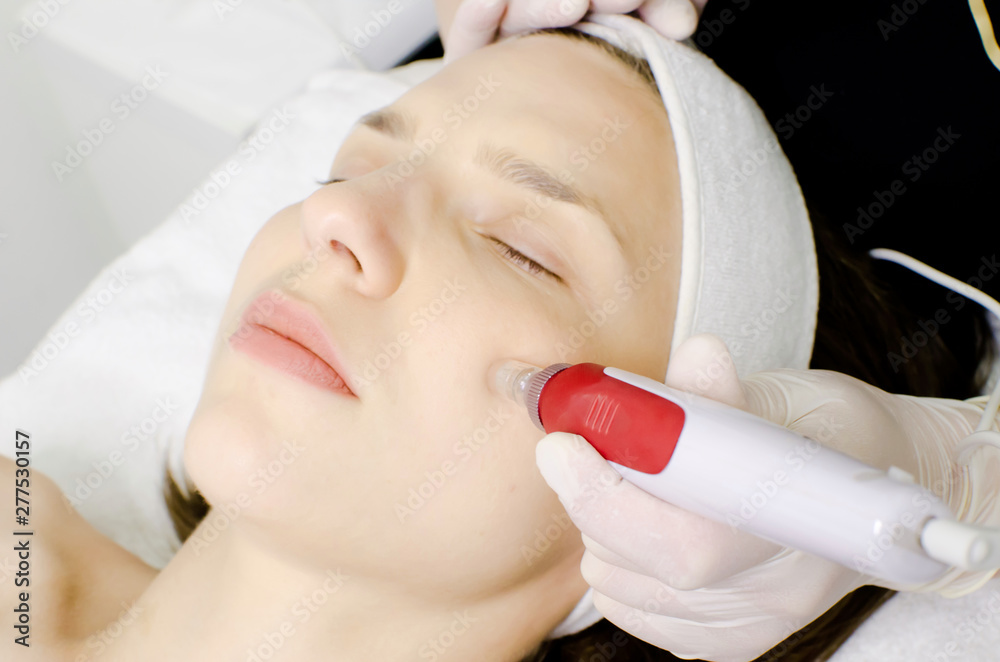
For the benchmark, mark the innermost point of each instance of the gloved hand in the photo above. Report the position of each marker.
(702, 589)
(477, 22)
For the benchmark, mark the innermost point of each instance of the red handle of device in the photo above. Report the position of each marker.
(624, 423)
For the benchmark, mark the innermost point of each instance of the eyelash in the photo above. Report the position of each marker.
(520, 258)
(510, 252)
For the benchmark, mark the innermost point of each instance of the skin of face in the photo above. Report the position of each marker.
(412, 288)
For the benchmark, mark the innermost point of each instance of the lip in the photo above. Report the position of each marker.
(286, 334)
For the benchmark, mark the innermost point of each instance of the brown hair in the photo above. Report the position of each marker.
(858, 324)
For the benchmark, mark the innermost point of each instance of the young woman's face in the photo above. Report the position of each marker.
(423, 476)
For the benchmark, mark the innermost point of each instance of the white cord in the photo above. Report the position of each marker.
(960, 544)
(984, 300)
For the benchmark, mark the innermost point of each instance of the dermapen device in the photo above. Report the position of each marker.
(739, 469)
(733, 467)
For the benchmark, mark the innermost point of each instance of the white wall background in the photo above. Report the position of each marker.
(63, 63)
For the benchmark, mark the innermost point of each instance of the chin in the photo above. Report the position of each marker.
(224, 446)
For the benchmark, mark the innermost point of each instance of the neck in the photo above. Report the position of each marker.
(236, 600)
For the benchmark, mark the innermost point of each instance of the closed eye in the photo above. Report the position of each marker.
(523, 260)
(509, 252)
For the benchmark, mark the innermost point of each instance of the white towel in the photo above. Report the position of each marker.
(926, 627)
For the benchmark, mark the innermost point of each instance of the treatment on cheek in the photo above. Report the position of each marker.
(721, 462)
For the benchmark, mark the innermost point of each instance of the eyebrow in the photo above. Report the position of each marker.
(500, 162)
(395, 124)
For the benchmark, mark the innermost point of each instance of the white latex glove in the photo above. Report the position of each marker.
(478, 22)
(701, 589)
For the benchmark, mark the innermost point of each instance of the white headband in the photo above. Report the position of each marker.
(748, 263)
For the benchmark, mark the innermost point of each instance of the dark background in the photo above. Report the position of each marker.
(897, 73)
(892, 89)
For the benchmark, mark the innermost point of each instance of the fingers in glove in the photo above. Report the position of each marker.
(528, 15)
(833, 409)
(772, 396)
(699, 553)
(474, 26)
(739, 618)
(731, 604)
(601, 552)
(614, 6)
(675, 19)
(624, 584)
(703, 365)
(769, 589)
(693, 640)
(677, 547)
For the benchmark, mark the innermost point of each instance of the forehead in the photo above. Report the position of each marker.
(569, 105)
(550, 77)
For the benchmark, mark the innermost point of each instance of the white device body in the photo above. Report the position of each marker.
(739, 469)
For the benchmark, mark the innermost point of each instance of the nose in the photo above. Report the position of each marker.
(356, 226)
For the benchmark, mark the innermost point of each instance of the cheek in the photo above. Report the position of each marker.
(244, 465)
(481, 503)
(464, 478)
(630, 326)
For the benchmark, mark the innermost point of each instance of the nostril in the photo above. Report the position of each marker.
(338, 247)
